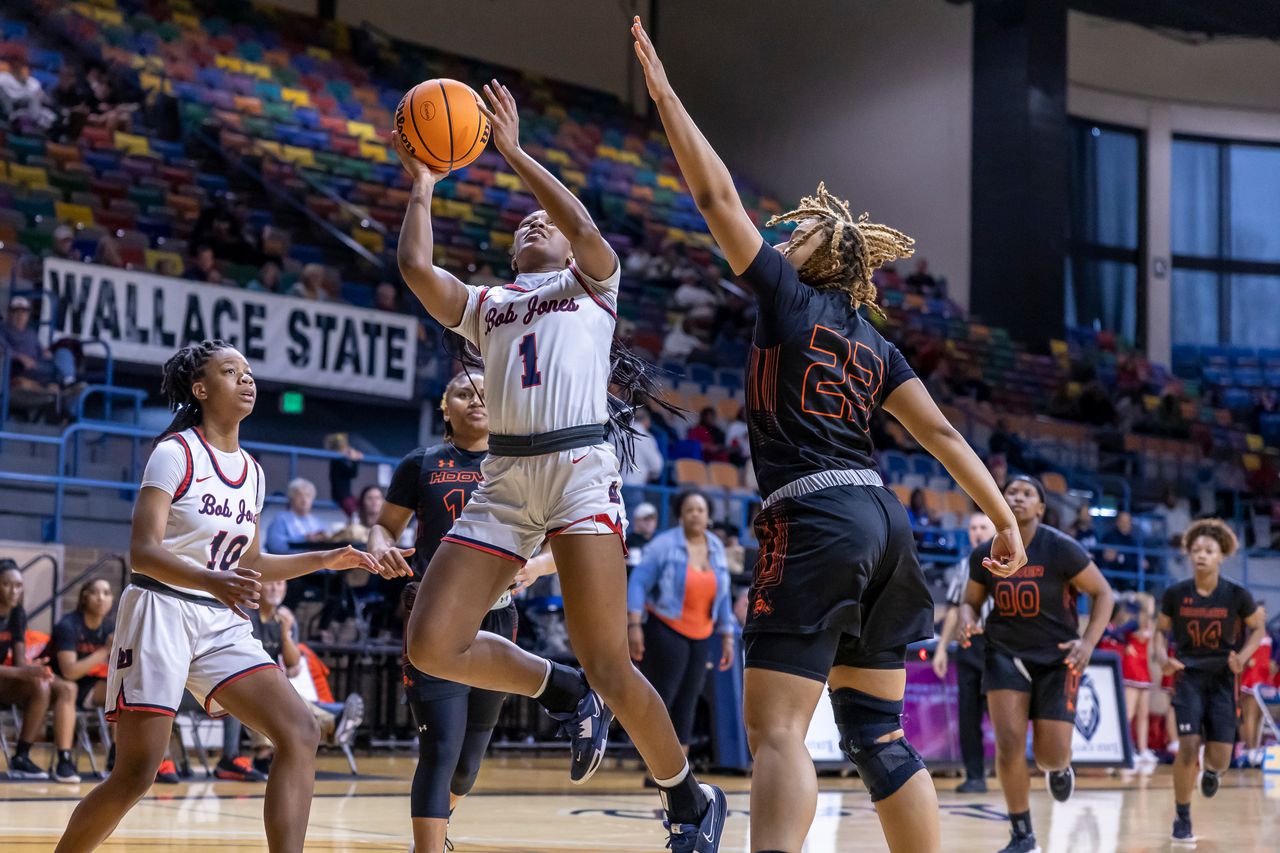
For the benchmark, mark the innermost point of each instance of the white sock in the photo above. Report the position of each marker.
(674, 780)
(546, 679)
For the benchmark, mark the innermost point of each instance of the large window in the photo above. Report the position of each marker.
(1225, 237)
(1103, 286)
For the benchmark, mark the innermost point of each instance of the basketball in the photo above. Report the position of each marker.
(440, 123)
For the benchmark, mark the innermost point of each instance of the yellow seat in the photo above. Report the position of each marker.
(371, 240)
(727, 409)
(297, 97)
(256, 70)
(507, 181)
(156, 256)
(1054, 482)
(375, 151)
(297, 154)
(229, 63)
(34, 177)
(79, 214)
(361, 130)
(131, 143)
(903, 493)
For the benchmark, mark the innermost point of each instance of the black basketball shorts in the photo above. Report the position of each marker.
(1205, 703)
(1053, 686)
(837, 583)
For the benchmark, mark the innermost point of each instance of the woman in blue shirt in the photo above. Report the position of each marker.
(682, 584)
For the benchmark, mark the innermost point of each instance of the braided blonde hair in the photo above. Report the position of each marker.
(852, 249)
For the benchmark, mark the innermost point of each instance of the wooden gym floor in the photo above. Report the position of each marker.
(527, 805)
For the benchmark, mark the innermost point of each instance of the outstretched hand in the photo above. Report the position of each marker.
(1007, 553)
(350, 558)
(655, 76)
(504, 118)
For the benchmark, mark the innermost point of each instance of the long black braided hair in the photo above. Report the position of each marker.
(180, 372)
(632, 384)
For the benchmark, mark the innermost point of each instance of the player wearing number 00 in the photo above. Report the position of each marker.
(1036, 653)
(1215, 626)
(182, 623)
(546, 341)
(837, 592)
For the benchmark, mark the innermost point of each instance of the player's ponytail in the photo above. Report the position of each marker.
(180, 373)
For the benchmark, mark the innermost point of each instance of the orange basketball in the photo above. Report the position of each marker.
(440, 124)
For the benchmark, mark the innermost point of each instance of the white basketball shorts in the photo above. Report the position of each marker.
(525, 500)
(165, 644)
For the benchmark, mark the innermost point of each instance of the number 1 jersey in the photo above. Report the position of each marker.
(217, 498)
(818, 372)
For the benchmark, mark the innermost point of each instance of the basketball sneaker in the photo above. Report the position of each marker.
(1021, 844)
(22, 767)
(1061, 783)
(588, 731)
(1182, 831)
(239, 769)
(1209, 782)
(352, 716)
(972, 786)
(703, 837)
(65, 771)
(167, 774)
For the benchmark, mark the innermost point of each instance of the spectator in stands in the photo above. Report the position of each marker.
(1082, 529)
(1121, 536)
(386, 297)
(63, 246)
(81, 644)
(203, 266)
(636, 265)
(918, 510)
(685, 339)
(22, 97)
(108, 253)
(677, 598)
(647, 465)
(484, 277)
(331, 286)
(35, 366)
(1175, 512)
(32, 688)
(887, 278)
(921, 281)
(296, 525)
(267, 279)
(310, 284)
(1006, 443)
(69, 97)
(708, 433)
(644, 524)
(166, 266)
(1094, 404)
(695, 293)
(109, 106)
(356, 530)
(342, 471)
(737, 441)
(221, 227)
(734, 552)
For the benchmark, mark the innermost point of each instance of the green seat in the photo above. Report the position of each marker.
(147, 197)
(38, 241)
(26, 147)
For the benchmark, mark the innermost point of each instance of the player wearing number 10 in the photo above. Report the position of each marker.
(1036, 653)
(182, 623)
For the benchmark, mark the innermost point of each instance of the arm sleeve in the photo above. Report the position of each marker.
(469, 325)
(167, 468)
(1075, 559)
(605, 292)
(1169, 602)
(64, 635)
(1248, 605)
(403, 490)
(896, 370)
(780, 293)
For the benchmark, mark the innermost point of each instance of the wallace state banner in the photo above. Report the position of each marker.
(145, 318)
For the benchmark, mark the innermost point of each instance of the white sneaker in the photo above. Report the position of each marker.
(352, 716)
(1147, 757)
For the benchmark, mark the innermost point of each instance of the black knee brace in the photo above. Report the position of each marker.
(862, 720)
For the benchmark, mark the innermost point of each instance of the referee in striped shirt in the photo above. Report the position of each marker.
(969, 663)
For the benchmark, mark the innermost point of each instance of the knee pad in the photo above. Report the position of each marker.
(862, 720)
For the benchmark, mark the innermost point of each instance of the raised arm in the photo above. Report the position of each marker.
(911, 404)
(591, 251)
(439, 291)
(708, 178)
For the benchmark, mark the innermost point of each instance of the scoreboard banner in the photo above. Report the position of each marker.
(144, 318)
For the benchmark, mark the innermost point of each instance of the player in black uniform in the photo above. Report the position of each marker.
(454, 721)
(837, 591)
(1216, 627)
(1036, 653)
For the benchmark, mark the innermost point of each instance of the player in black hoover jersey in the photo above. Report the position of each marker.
(454, 721)
(1216, 626)
(837, 591)
(1036, 653)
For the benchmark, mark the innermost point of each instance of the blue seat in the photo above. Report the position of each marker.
(730, 379)
(685, 448)
(702, 374)
(896, 465)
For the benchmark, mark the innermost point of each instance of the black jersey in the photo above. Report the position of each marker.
(1035, 608)
(270, 635)
(818, 372)
(72, 634)
(13, 629)
(434, 482)
(1207, 628)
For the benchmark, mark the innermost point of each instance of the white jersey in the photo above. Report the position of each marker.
(217, 498)
(545, 339)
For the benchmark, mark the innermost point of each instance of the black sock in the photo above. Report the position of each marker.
(685, 801)
(22, 750)
(1184, 811)
(1021, 823)
(564, 688)
(64, 755)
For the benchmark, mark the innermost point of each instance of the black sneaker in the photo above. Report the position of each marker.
(703, 837)
(1182, 831)
(262, 764)
(237, 769)
(65, 772)
(167, 774)
(588, 731)
(1021, 844)
(1209, 782)
(972, 786)
(22, 767)
(1061, 783)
